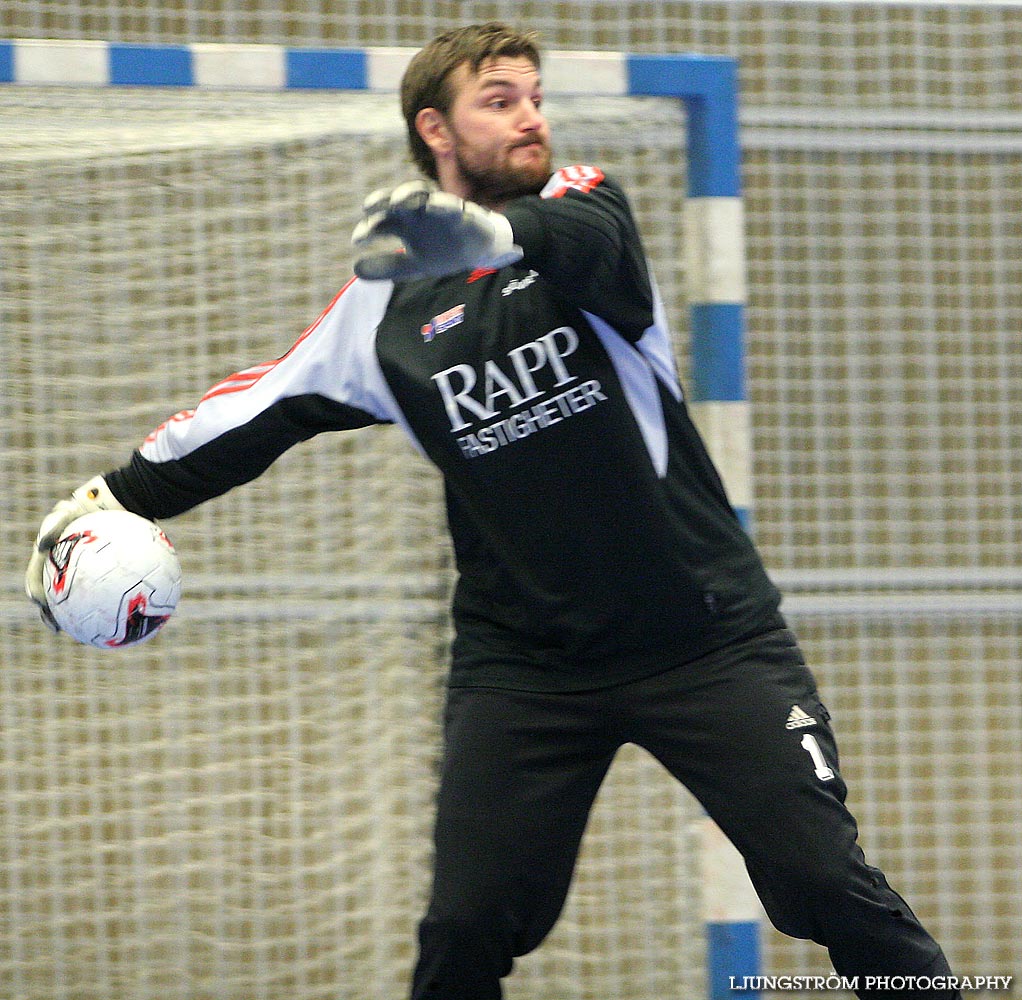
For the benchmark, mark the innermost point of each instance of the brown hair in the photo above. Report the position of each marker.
(426, 82)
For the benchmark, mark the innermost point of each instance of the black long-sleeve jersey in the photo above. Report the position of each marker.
(593, 538)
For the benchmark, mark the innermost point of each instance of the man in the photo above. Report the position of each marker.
(506, 319)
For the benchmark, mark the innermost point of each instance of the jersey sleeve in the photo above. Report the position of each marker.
(580, 235)
(328, 380)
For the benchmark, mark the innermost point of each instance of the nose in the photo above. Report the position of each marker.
(532, 118)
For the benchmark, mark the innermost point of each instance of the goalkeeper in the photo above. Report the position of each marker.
(504, 316)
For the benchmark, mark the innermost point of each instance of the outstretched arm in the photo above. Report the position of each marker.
(246, 421)
(328, 380)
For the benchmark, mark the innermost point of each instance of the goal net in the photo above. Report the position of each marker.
(241, 810)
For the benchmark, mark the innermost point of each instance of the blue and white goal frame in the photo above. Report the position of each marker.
(714, 263)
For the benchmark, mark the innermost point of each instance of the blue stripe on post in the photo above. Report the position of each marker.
(341, 69)
(732, 955)
(714, 164)
(709, 87)
(718, 363)
(679, 75)
(6, 62)
(150, 65)
(744, 516)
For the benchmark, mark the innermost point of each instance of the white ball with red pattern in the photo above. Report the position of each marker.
(112, 579)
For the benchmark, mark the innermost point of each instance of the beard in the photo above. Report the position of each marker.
(494, 184)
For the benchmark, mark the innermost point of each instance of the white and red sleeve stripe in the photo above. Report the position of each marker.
(335, 358)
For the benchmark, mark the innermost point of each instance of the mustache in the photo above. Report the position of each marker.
(530, 141)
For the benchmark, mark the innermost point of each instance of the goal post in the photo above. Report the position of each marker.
(712, 265)
(715, 276)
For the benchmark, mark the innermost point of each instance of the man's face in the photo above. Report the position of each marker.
(500, 137)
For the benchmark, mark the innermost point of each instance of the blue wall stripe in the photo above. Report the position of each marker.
(150, 65)
(6, 62)
(343, 69)
(733, 951)
(718, 363)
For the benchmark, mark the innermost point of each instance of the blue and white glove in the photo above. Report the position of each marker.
(89, 497)
(418, 231)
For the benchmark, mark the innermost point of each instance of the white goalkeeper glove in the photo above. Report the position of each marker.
(418, 231)
(89, 497)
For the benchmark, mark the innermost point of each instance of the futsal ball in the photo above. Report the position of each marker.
(112, 579)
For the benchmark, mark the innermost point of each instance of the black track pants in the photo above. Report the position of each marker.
(522, 769)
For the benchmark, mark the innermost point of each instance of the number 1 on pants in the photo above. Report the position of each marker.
(823, 772)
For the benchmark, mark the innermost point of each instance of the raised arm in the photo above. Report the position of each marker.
(578, 233)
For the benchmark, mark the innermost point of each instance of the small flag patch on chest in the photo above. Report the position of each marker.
(438, 324)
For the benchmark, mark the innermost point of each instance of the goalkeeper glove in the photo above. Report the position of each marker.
(419, 231)
(89, 497)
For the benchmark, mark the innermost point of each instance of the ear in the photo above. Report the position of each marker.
(432, 128)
